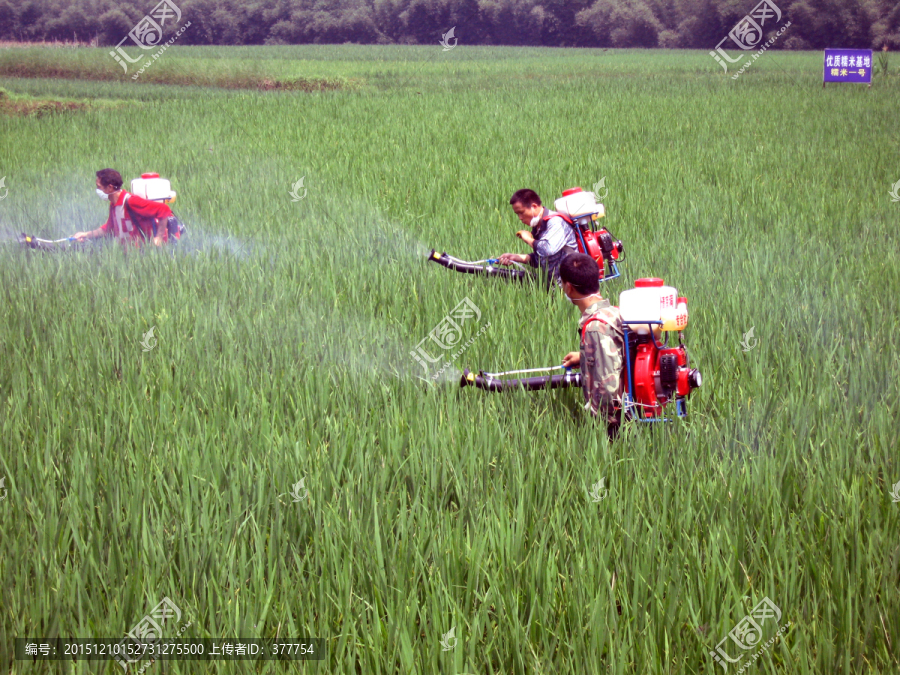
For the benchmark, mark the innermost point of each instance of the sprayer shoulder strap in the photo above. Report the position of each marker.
(554, 214)
(134, 220)
(601, 320)
(589, 321)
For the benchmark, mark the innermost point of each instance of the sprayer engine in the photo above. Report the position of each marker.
(599, 245)
(659, 375)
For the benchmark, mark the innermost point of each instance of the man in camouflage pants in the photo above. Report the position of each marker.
(601, 358)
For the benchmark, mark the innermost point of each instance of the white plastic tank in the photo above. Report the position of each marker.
(649, 300)
(641, 303)
(151, 186)
(575, 203)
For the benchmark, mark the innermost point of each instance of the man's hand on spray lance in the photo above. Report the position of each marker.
(510, 258)
(572, 360)
(528, 212)
(81, 237)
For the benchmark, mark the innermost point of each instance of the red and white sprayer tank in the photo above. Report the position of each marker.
(151, 186)
(656, 373)
(583, 209)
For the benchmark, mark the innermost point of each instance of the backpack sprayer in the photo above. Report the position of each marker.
(655, 374)
(149, 186)
(581, 211)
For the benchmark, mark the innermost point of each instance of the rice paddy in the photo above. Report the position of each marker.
(439, 529)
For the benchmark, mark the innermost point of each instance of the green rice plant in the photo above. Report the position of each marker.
(883, 65)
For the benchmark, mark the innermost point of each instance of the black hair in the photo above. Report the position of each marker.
(525, 197)
(582, 271)
(110, 178)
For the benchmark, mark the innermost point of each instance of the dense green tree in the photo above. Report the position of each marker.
(634, 24)
(32, 19)
(886, 27)
(596, 24)
(697, 24)
(422, 21)
(700, 25)
(114, 25)
(831, 23)
(10, 26)
(465, 15)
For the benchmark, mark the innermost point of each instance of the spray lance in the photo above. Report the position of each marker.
(41, 244)
(493, 381)
(476, 267)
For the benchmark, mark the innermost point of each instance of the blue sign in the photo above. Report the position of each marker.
(848, 65)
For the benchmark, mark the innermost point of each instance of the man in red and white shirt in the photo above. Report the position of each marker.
(132, 219)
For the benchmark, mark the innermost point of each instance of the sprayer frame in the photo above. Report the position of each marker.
(610, 262)
(628, 405)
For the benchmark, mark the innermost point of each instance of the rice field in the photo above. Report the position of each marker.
(439, 529)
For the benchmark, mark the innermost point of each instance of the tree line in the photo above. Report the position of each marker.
(698, 24)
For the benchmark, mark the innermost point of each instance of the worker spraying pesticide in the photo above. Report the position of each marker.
(626, 371)
(132, 218)
(552, 235)
(137, 217)
(602, 353)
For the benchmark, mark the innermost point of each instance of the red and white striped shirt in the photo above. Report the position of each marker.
(122, 225)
